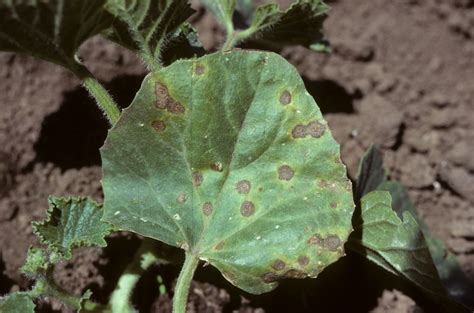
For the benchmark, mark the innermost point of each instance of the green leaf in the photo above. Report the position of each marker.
(17, 302)
(72, 223)
(37, 262)
(301, 24)
(398, 246)
(183, 44)
(372, 176)
(52, 30)
(246, 8)
(223, 10)
(146, 26)
(228, 157)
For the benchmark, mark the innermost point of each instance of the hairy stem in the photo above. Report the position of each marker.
(237, 37)
(180, 297)
(143, 259)
(101, 95)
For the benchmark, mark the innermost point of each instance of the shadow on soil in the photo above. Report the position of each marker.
(71, 137)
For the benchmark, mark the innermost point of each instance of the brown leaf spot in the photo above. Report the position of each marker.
(181, 198)
(333, 205)
(292, 273)
(299, 131)
(303, 260)
(315, 240)
(315, 129)
(285, 97)
(243, 187)
(164, 101)
(219, 246)
(199, 69)
(285, 172)
(207, 208)
(159, 125)
(278, 265)
(247, 208)
(332, 242)
(217, 166)
(270, 277)
(197, 178)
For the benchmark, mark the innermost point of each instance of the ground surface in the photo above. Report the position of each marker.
(401, 75)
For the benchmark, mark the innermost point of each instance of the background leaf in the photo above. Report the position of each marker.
(147, 26)
(223, 10)
(301, 24)
(17, 302)
(228, 157)
(52, 30)
(72, 223)
(372, 176)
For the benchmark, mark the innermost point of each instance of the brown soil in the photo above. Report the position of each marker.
(401, 75)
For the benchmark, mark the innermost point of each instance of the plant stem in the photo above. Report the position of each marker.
(143, 259)
(180, 297)
(236, 37)
(101, 95)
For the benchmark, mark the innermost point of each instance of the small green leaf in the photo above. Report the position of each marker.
(301, 24)
(72, 223)
(246, 9)
(146, 26)
(398, 246)
(372, 176)
(51, 30)
(37, 262)
(183, 44)
(17, 302)
(223, 10)
(228, 157)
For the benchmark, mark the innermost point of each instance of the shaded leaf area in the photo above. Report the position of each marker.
(72, 223)
(17, 302)
(150, 26)
(301, 25)
(223, 10)
(228, 157)
(51, 30)
(183, 44)
(441, 266)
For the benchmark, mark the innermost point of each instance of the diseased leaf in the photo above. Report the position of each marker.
(52, 30)
(301, 25)
(146, 26)
(228, 157)
(372, 176)
(72, 223)
(17, 302)
(223, 10)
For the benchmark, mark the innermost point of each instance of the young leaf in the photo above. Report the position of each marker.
(17, 302)
(397, 245)
(37, 262)
(228, 157)
(72, 223)
(146, 26)
(301, 24)
(372, 176)
(223, 10)
(51, 30)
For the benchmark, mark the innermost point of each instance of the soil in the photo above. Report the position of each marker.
(401, 75)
